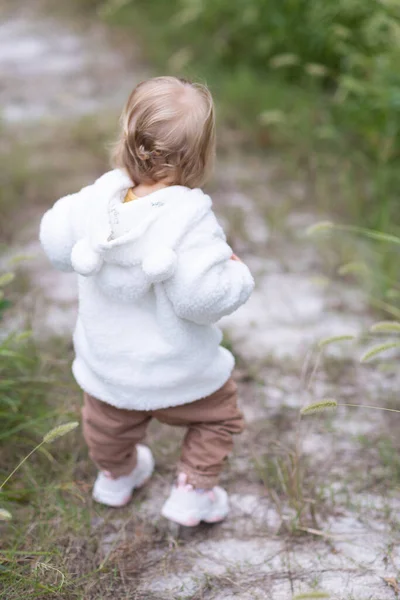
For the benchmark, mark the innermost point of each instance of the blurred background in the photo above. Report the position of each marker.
(315, 84)
(308, 104)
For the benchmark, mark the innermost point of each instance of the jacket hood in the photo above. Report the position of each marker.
(128, 247)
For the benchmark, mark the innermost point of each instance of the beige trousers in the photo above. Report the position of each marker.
(112, 434)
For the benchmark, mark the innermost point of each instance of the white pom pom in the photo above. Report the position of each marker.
(160, 264)
(84, 258)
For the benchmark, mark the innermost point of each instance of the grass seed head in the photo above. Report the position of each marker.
(59, 431)
(386, 327)
(319, 407)
(376, 350)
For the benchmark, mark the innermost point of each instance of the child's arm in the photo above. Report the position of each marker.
(59, 228)
(207, 283)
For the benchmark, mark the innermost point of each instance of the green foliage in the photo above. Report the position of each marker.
(50, 436)
(321, 40)
(351, 47)
(33, 498)
(21, 393)
(319, 77)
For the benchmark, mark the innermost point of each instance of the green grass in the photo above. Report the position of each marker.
(47, 550)
(288, 479)
(23, 379)
(36, 394)
(52, 546)
(31, 182)
(21, 385)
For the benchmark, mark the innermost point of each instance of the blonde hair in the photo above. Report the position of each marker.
(167, 133)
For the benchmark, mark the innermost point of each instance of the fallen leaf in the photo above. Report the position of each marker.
(393, 583)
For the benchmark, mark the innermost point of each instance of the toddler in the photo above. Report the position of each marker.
(155, 275)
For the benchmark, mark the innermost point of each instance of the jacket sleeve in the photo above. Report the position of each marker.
(207, 283)
(60, 228)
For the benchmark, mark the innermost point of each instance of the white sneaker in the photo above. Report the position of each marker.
(188, 506)
(118, 492)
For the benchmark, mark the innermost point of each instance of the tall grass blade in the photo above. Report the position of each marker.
(48, 438)
(379, 236)
(373, 234)
(373, 407)
(334, 339)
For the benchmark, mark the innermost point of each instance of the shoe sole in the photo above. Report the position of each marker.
(193, 521)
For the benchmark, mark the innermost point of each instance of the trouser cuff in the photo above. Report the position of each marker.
(204, 481)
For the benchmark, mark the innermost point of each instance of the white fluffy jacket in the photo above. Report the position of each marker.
(155, 276)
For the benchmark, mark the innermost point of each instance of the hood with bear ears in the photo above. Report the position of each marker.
(129, 247)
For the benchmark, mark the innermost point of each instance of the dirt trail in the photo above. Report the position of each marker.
(352, 520)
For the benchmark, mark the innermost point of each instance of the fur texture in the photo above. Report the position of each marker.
(155, 276)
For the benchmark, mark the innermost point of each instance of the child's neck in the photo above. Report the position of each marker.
(143, 189)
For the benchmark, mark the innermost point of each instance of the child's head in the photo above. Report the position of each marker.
(168, 133)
